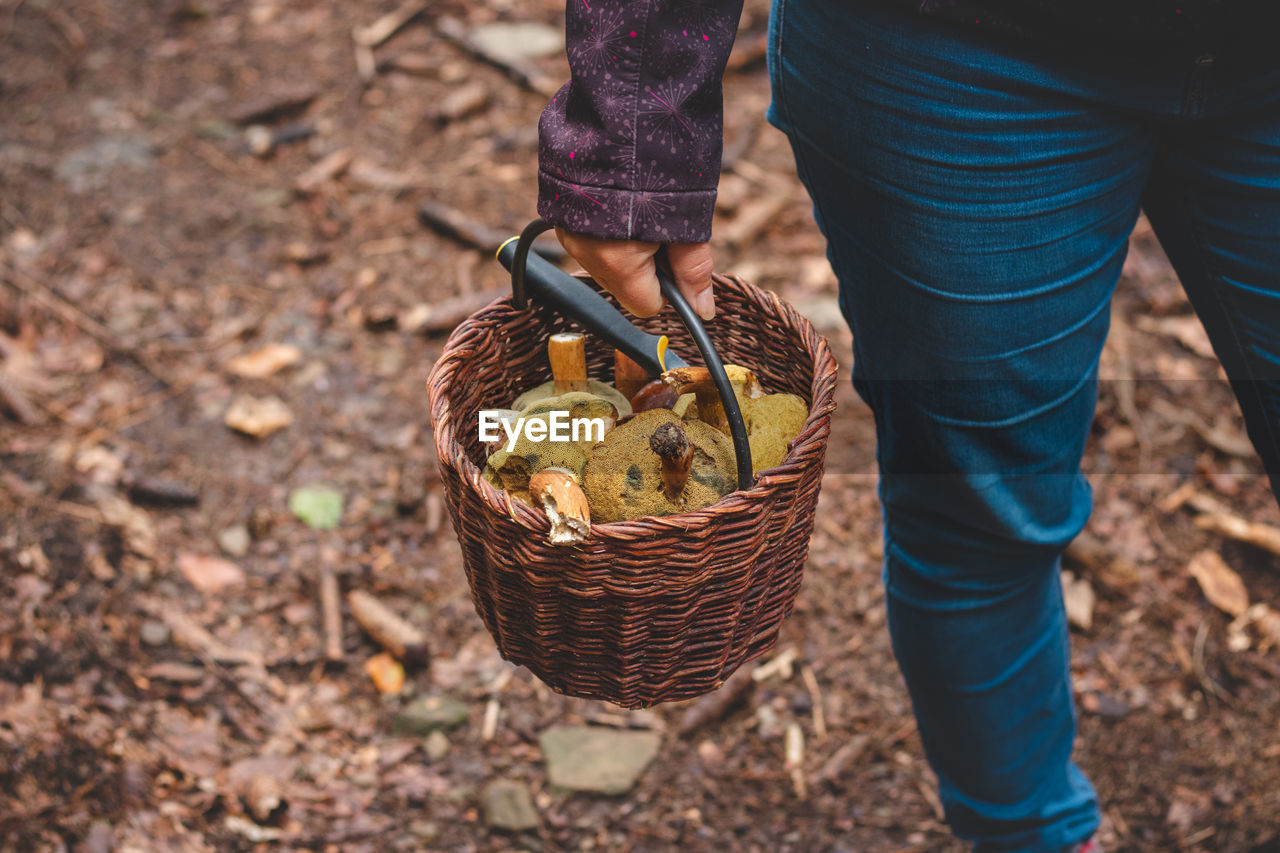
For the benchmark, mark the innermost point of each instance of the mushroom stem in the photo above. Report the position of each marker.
(628, 376)
(564, 503)
(699, 381)
(567, 353)
(676, 452)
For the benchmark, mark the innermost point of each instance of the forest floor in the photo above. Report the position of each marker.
(187, 182)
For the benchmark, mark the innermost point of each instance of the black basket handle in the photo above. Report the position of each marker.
(557, 289)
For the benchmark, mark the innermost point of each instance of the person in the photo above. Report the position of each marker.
(976, 167)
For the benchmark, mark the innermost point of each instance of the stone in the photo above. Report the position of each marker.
(234, 540)
(508, 806)
(603, 761)
(431, 714)
(437, 745)
(154, 632)
(90, 167)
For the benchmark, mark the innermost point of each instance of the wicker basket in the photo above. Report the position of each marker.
(650, 610)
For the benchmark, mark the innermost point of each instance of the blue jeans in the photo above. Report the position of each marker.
(977, 196)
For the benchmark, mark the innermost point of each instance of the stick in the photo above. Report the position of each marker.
(391, 632)
(815, 695)
(794, 746)
(567, 353)
(454, 223)
(490, 725)
(717, 704)
(1255, 533)
(388, 25)
(332, 614)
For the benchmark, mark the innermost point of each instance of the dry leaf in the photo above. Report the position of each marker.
(264, 362)
(1079, 598)
(209, 574)
(258, 416)
(386, 672)
(1220, 584)
(1185, 329)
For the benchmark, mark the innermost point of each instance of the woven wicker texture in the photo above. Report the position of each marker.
(650, 610)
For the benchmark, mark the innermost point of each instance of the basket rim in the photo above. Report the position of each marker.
(807, 448)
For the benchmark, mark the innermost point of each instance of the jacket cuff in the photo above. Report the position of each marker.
(611, 213)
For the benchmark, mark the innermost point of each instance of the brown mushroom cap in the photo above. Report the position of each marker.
(623, 478)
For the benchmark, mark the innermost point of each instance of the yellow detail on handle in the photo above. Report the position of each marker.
(504, 245)
(662, 351)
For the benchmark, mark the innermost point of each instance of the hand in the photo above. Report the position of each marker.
(625, 268)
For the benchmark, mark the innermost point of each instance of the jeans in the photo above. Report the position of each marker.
(977, 196)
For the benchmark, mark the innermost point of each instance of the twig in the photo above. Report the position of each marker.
(843, 757)
(391, 632)
(332, 614)
(794, 762)
(714, 706)
(456, 224)
(1197, 656)
(490, 725)
(1254, 533)
(815, 696)
(388, 25)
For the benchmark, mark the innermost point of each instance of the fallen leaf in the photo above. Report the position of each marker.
(318, 507)
(258, 416)
(1220, 584)
(1079, 597)
(386, 672)
(209, 574)
(1185, 329)
(264, 362)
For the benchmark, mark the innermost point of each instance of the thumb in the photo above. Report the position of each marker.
(691, 266)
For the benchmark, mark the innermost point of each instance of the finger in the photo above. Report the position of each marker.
(691, 266)
(622, 267)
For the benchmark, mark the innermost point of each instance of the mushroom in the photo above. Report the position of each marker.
(568, 356)
(562, 500)
(654, 395)
(772, 420)
(673, 448)
(624, 477)
(628, 376)
(510, 470)
(698, 381)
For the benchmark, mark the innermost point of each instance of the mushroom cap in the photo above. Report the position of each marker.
(772, 422)
(511, 470)
(623, 478)
(547, 390)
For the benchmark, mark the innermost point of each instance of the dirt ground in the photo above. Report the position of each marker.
(183, 182)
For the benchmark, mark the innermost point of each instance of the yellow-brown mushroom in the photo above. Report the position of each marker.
(562, 500)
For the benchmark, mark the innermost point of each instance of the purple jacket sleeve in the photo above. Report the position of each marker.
(630, 147)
